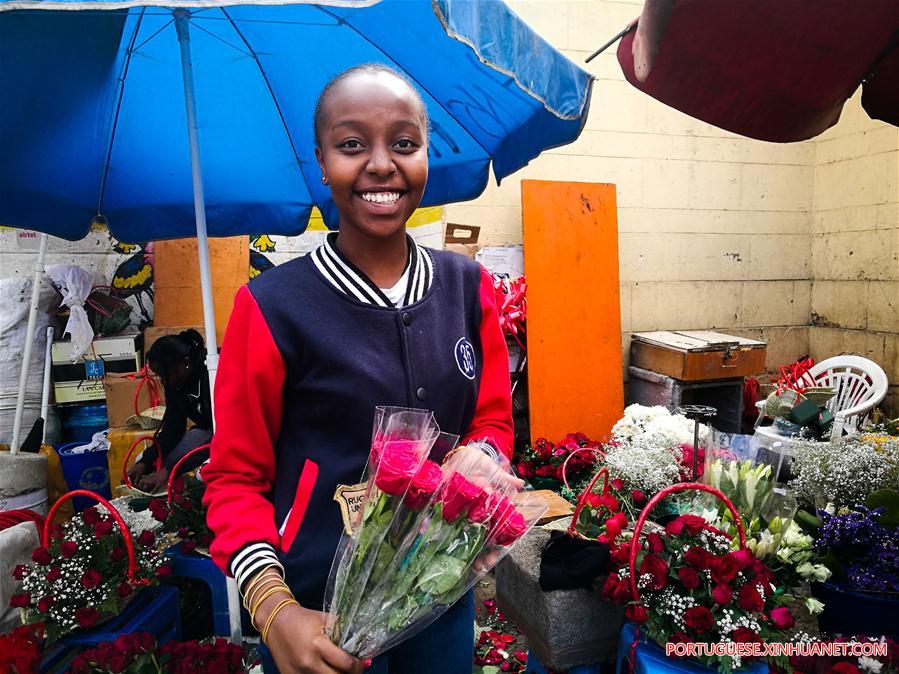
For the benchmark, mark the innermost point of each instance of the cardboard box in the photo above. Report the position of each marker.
(154, 333)
(120, 392)
(83, 380)
(697, 355)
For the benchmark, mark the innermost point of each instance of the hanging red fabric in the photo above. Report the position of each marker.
(511, 303)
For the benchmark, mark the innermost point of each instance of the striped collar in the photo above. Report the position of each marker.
(350, 280)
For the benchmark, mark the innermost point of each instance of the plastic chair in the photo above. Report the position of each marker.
(860, 384)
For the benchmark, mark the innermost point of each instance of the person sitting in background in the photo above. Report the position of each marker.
(180, 362)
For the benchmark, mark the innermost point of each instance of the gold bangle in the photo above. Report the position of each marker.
(268, 573)
(250, 598)
(275, 590)
(271, 618)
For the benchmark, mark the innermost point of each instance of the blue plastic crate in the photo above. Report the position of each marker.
(187, 565)
(154, 610)
(650, 658)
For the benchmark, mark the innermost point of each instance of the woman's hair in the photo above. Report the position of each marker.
(170, 350)
(364, 68)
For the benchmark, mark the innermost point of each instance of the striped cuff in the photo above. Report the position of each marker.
(251, 559)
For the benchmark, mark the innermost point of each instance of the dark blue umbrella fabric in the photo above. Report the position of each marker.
(93, 116)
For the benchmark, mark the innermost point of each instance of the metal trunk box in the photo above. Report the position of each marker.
(697, 355)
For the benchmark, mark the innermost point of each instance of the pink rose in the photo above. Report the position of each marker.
(458, 496)
(423, 485)
(743, 558)
(396, 469)
(782, 618)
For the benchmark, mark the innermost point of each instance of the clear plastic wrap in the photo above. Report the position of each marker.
(425, 538)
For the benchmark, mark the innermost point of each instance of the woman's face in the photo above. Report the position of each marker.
(374, 152)
(175, 376)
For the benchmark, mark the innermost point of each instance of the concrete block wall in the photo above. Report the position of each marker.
(714, 229)
(795, 244)
(855, 244)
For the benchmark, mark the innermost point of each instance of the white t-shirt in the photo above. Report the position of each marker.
(397, 294)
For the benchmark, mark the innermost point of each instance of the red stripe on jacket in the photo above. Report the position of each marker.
(248, 401)
(493, 415)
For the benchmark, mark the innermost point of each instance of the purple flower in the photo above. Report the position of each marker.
(869, 549)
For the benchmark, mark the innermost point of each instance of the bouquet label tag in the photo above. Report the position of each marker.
(350, 498)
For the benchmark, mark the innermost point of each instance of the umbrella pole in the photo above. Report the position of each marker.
(29, 343)
(182, 26)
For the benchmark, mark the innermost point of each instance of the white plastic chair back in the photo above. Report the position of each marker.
(860, 384)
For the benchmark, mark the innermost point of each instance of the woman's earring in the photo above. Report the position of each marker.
(324, 180)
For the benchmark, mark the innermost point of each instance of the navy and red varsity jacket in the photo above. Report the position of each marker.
(311, 349)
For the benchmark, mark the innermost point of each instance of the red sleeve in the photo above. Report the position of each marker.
(241, 469)
(493, 416)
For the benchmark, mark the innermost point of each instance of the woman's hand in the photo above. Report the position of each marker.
(138, 470)
(154, 482)
(484, 470)
(298, 643)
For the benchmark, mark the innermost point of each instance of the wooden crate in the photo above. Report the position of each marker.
(697, 355)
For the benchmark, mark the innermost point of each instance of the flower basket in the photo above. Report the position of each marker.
(847, 612)
(174, 508)
(127, 486)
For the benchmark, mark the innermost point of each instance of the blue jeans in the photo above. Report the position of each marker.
(450, 639)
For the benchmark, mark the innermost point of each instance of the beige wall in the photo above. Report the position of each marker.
(855, 244)
(719, 231)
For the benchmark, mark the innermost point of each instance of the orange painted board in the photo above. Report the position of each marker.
(574, 308)
(176, 281)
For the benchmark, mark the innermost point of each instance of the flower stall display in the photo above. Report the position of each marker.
(183, 514)
(686, 584)
(425, 535)
(542, 464)
(140, 654)
(87, 571)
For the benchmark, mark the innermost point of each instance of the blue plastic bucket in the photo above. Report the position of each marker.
(87, 470)
(83, 422)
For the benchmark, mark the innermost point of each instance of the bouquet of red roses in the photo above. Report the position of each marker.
(139, 654)
(546, 459)
(691, 587)
(426, 533)
(20, 650)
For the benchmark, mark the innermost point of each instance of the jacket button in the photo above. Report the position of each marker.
(422, 393)
(407, 318)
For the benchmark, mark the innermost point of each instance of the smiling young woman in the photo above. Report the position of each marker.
(369, 318)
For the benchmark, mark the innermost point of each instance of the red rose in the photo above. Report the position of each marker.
(657, 569)
(119, 661)
(103, 528)
(610, 502)
(85, 617)
(724, 569)
(188, 546)
(124, 589)
(117, 555)
(622, 594)
(183, 532)
(68, 549)
(843, 668)
(91, 579)
(479, 513)
(21, 600)
(41, 556)
(525, 469)
(90, 515)
(637, 496)
(692, 524)
(743, 558)
(44, 603)
(608, 588)
(617, 484)
(620, 554)
(744, 635)
(654, 541)
(679, 638)
(546, 471)
(396, 468)
(697, 557)
(146, 538)
(722, 594)
(615, 525)
(164, 571)
(20, 572)
(636, 613)
(749, 599)
(592, 500)
(763, 576)
(458, 496)
(782, 618)
(510, 529)
(423, 485)
(688, 577)
(54, 574)
(699, 619)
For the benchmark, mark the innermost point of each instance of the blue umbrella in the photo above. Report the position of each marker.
(97, 97)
